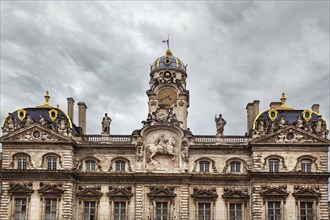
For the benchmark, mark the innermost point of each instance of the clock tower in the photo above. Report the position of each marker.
(168, 87)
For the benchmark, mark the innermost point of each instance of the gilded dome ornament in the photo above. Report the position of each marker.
(272, 114)
(307, 115)
(21, 114)
(53, 114)
(167, 61)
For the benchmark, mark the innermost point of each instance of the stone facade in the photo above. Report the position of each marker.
(52, 169)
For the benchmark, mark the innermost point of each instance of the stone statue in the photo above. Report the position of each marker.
(300, 123)
(62, 126)
(29, 121)
(139, 150)
(320, 127)
(185, 151)
(106, 124)
(42, 121)
(282, 123)
(10, 124)
(261, 125)
(161, 146)
(220, 124)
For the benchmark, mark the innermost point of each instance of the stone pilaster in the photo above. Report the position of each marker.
(139, 198)
(324, 209)
(4, 202)
(184, 194)
(68, 201)
(256, 203)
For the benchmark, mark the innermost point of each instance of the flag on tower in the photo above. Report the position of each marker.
(167, 41)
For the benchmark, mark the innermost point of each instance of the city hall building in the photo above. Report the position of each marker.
(53, 170)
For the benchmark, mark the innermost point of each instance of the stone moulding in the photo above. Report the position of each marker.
(120, 192)
(21, 188)
(204, 193)
(161, 192)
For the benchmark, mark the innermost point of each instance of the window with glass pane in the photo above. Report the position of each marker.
(120, 166)
(306, 211)
(306, 166)
(204, 211)
(120, 210)
(20, 209)
(274, 210)
(90, 164)
(162, 211)
(274, 165)
(204, 166)
(235, 211)
(235, 166)
(50, 209)
(21, 163)
(89, 211)
(52, 163)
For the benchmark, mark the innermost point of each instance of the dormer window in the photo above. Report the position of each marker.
(204, 166)
(90, 165)
(120, 166)
(306, 166)
(235, 167)
(274, 165)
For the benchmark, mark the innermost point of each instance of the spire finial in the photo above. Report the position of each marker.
(283, 99)
(46, 105)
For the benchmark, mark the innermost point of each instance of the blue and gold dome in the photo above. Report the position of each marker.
(44, 115)
(168, 62)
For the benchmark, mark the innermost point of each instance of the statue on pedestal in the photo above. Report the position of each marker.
(106, 124)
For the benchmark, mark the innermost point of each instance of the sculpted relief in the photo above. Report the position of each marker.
(162, 145)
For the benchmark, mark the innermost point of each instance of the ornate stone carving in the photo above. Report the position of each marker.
(10, 124)
(62, 126)
(161, 192)
(220, 124)
(89, 192)
(120, 192)
(235, 193)
(277, 191)
(21, 188)
(162, 116)
(43, 122)
(139, 150)
(161, 146)
(185, 151)
(306, 191)
(28, 121)
(49, 189)
(106, 121)
(319, 127)
(35, 134)
(204, 193)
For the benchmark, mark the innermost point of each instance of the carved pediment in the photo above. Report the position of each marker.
(289, 135)
(306, 191)
(120, 192)
(274, 191)
(21, 188)
(89, 192)
(34, 133)
(161, 192)
(235, 193)
(50, 189)
(204, 193)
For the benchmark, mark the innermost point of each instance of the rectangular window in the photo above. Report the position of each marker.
(21, 163)
(52, 163)
(89, 211)
(274, 165)
(204, 211)
(204, 166)
(274, 211)
(306, 211)
(235, 167)
(90, 165)
(120, 211)
(120, 166)
(20, 209)
(162, 211)
(235, 211)
(50, 209)
(306, 166)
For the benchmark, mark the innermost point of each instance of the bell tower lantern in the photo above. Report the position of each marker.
(168, 87)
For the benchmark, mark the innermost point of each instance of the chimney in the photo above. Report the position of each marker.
(273, 105)
(82, 116)
(70, 107)
(316, 108)
(256, 108)
(250, 116)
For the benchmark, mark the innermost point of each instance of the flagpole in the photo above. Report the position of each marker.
(168, 41)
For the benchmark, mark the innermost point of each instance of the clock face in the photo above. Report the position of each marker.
(167, 96)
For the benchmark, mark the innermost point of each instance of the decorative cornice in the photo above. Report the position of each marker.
(235, 193)
(161, 192)
(21, 188)
(306, 191)
(89, 192)
(120, 192)
(204, 193)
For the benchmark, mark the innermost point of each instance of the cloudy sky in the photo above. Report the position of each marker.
(100, 53)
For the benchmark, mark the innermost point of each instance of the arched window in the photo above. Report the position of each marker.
(120, 166)
(235, 167)
(90, 165)
(21, 162)
(306, 166)
(204, 166)
(51, 162)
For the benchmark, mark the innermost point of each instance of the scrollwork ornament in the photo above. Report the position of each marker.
(307, 115)
(21, 114)
(272, 114)
(53, 114)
